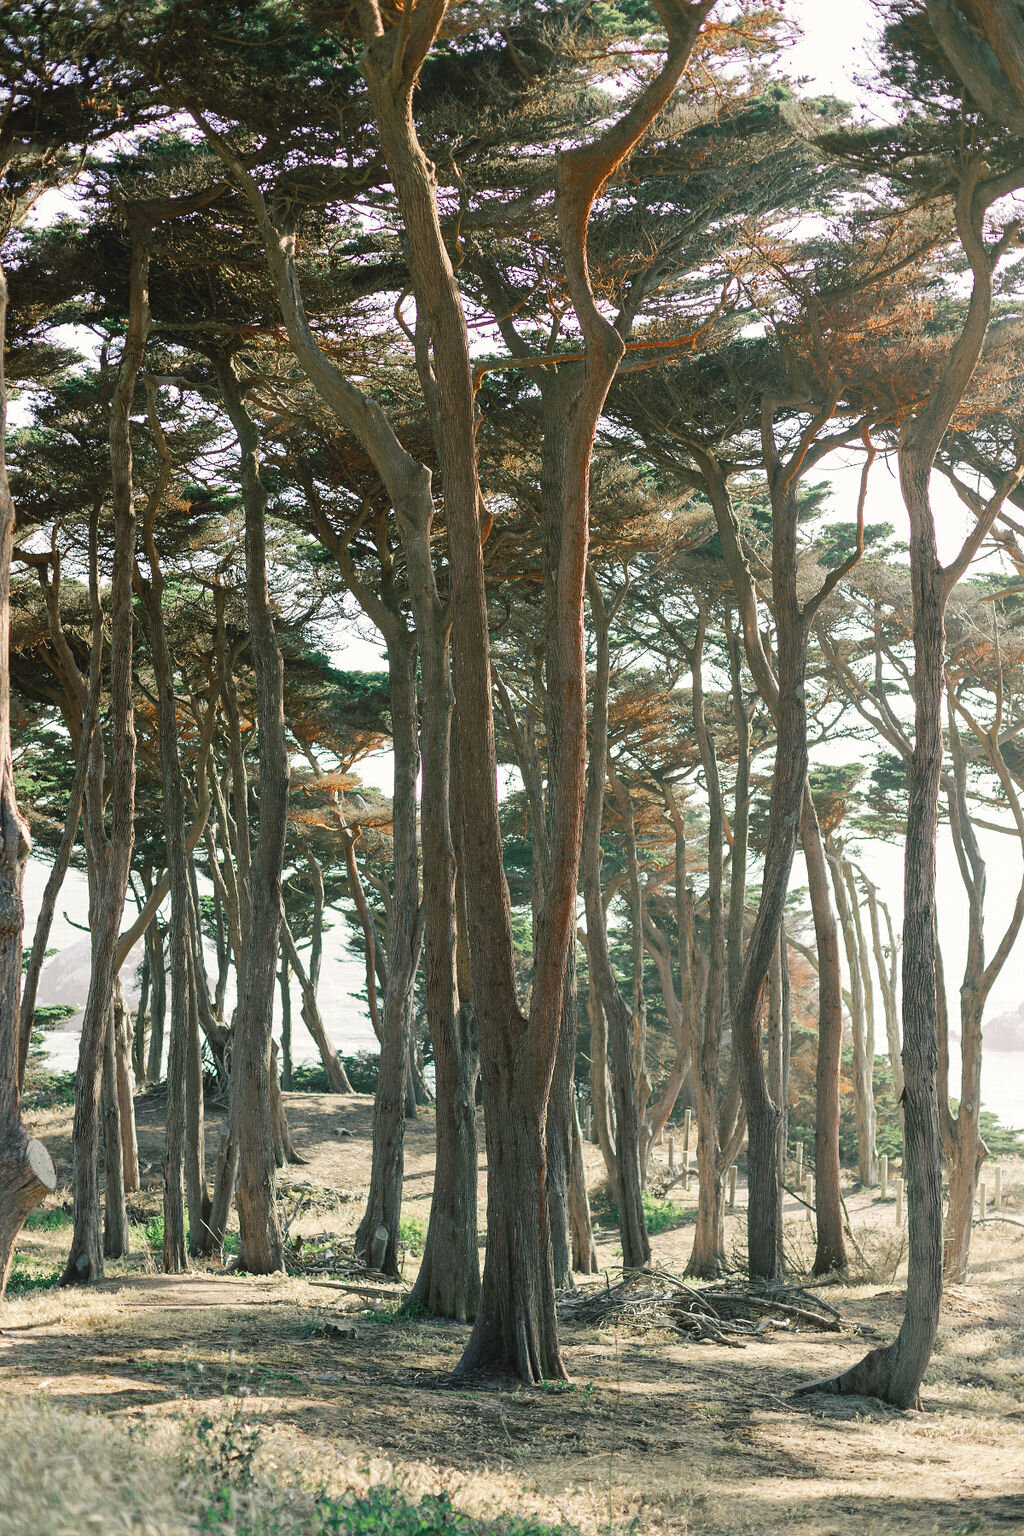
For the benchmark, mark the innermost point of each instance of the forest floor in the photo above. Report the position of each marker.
(287, 1378)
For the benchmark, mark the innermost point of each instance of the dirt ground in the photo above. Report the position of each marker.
(653, 1433)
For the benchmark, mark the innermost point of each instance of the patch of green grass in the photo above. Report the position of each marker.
(48, 1221)
(374, 1513)
(26, 1277)
(50, 1090)
(659, 1215)
(664, 1215)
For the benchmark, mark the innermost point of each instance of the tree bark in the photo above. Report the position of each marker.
(636, 1248)
(377, 1237)
(251, 1086)
(830, 1252)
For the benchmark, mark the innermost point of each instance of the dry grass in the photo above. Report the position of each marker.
(656, 1433)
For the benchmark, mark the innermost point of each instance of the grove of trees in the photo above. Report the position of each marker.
(534, 337)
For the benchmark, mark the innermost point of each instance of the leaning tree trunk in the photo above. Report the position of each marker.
(334, 1067)
(85, 1261)
(251, 1111)
(830, 1253)
(27, 1174)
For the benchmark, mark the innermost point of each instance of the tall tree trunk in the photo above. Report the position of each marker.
(284, 978)
(867, 1157)
(830, 1253)
(27, 1173)
(636, 1248)
(778, 1064)
(140, 1034)
(158, 1007)
(705, 1022)
(868, 995)
(115, 1213)
(448, 1283)
(377, 1237)
(182, 980)
(251, 1086)
(125, 1090)
(85, 1261)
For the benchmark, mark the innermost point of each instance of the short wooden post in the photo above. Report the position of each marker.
(899, 1202)
(671, 1154)
(997, 1189)
(883, 1175)
(809, 1195)
(686, 1176)
(732, 1187)
(982, 1200)
(799, 1163)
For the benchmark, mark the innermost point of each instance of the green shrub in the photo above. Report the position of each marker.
(412, 1234)
(664, 1215)
(50, 1090)
(362, 1069)
(25, 1277)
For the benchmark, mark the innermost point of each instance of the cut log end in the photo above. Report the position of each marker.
(42, 1166)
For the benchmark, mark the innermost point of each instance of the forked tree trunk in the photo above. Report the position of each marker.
(27, 1173)
(252, 1091)
(85, 1261)
(830, 1252)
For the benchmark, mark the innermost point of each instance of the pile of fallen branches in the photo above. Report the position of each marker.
(725, 1312)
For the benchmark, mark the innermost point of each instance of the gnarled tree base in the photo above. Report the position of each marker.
(877, 1375)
